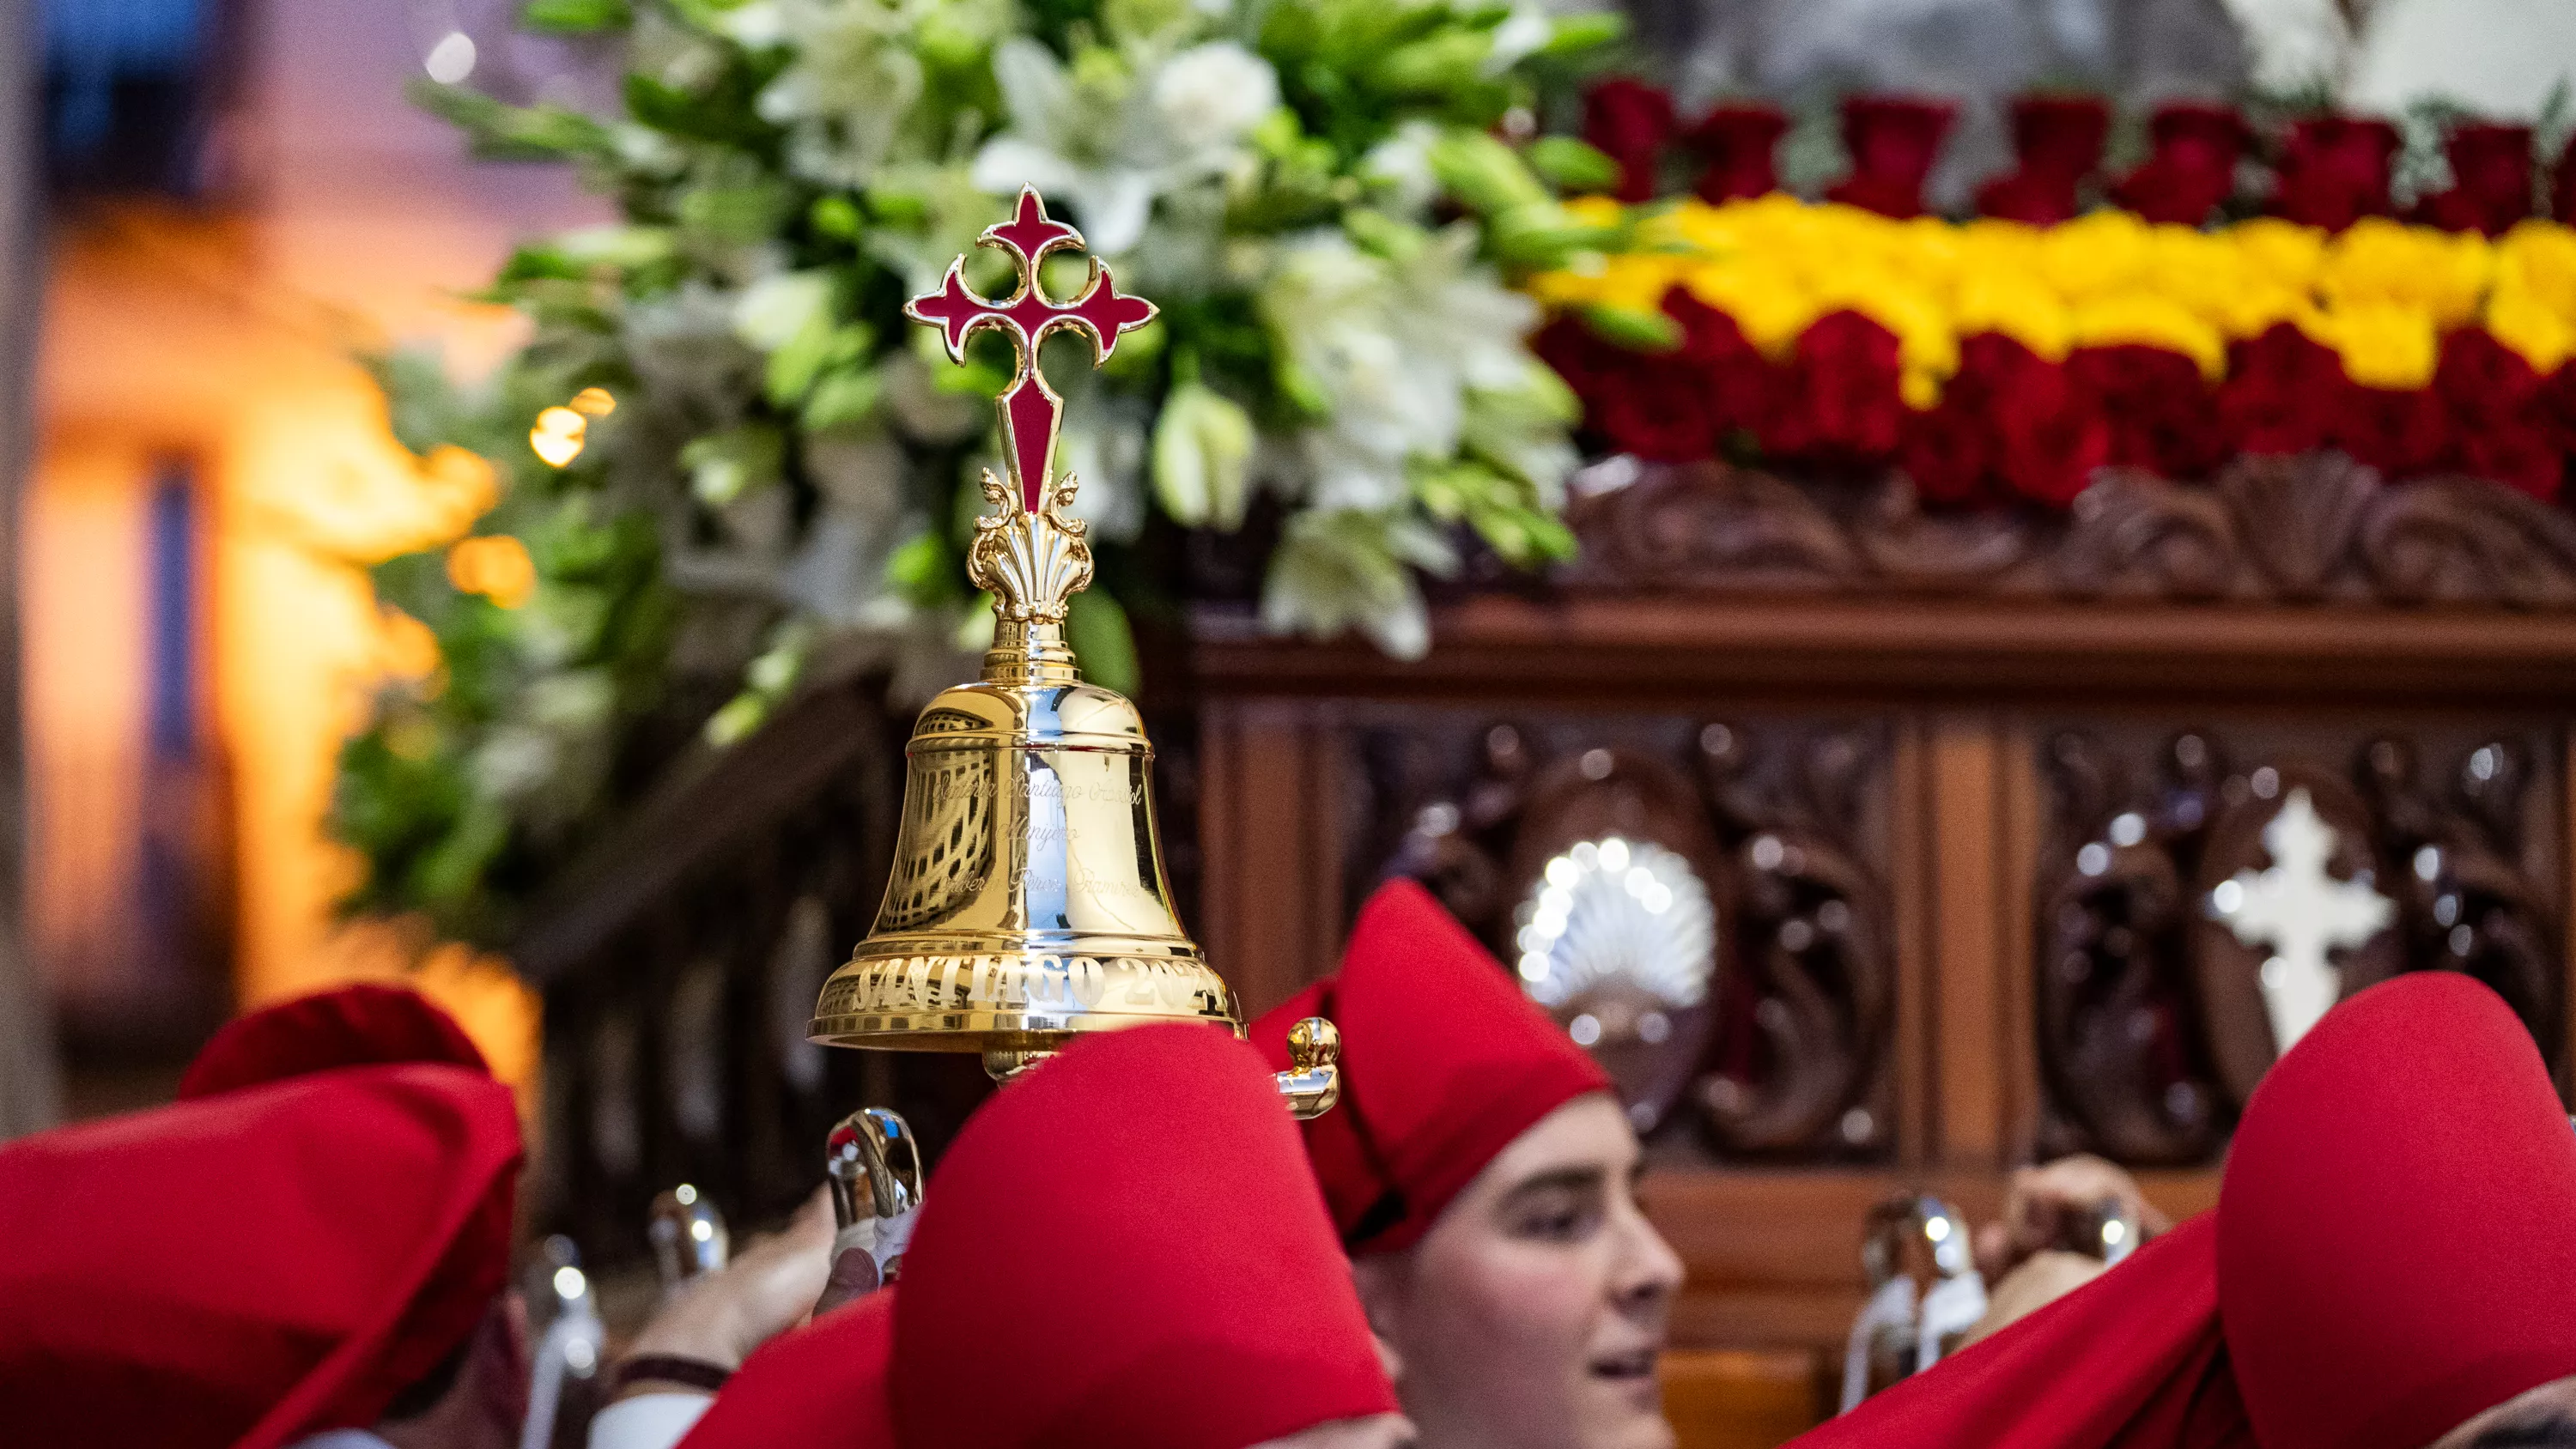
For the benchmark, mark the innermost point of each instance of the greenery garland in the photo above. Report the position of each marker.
(724, 451)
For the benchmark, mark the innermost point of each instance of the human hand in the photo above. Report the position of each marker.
(720, 1317)
(2042, 1279)
(2043, 1203)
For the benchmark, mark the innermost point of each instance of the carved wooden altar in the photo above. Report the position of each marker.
(1960, 786)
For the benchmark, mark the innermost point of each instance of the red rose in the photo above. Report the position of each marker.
(2282, 392)
(2555, 408)
(1840, 402)
(2498, 414)
(2562, 201)
(2158, 413)
(1893, 142)
(2491, 171)
(1635, 402)
(1738, 140)
(2192, 168)
(2050, 434)
(1952, 451)
(1630, 121)
(2058, 140)
(2399, 431)
(1948, 452)
(2334, 171)
(1737, 383)
(1588, 362)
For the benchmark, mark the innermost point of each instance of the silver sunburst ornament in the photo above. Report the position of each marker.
(1616, 910)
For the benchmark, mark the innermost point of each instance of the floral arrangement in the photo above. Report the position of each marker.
(2011, 356)
(724, 453)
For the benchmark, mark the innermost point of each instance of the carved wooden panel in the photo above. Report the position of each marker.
(2152, 1009)
(2314, 526)
(1786, 825)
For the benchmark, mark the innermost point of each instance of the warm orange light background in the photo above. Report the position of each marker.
(225, 335)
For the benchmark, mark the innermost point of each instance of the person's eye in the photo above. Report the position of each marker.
(1556, 1217)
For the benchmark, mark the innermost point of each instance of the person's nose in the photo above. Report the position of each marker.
(1649, 1271)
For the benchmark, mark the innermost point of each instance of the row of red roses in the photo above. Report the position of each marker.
(2012, 424)
(2327, 171)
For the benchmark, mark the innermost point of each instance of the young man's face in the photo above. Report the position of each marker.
(1531, 1316)
(2544, 1418)
(1378, 1431)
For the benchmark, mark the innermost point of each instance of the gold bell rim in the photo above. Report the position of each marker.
(986, 1031)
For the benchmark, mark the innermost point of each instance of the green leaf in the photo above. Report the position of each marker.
(1096, 626)
(925, 571)
(1484, 174)
(844, 396)
(1543, 236)
(576, 17)
(1571, 165)
(707, 15)
(1634, 329)
(836, 216)
(501, 132)
(724, 466)
(723, 113)
(743, 214)
(1577, 35)
(1452, 60)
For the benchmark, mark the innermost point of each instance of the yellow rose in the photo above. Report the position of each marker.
(2538, 258)
(2259, 306)
(1925, 341)
(2094, 255)
(2382, 344)
(1595, 210)
(2016, 303)
(1771, 306)
(2201, 271)
(2527, 325)
(2145, 319)
(1639, 281)
(2284, 252)
(1573, 286)
(1695, 226)
(2380, 261)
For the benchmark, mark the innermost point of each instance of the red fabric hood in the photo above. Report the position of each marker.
(1444, 1062)
(1124, 1247)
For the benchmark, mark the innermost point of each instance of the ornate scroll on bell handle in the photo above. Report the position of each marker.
(1313, 1082)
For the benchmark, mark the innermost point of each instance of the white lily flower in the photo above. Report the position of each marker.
(774, 310)
(1523, 33)
(1403, 161)
(1393, 348)
(1110, 149)
(855, 77)
(1212, 95)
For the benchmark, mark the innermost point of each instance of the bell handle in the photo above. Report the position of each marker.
(874, 1167)
(1313, 1082)
(688, 1235)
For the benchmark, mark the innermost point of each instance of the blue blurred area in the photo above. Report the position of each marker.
(125, 86)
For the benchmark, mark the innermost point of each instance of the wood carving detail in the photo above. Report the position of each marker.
(2314, 526)
(2153, 1024)
(1781, 822)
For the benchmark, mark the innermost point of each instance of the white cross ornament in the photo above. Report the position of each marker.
(2303, 913)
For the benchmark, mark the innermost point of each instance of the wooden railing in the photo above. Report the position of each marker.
(680, 960)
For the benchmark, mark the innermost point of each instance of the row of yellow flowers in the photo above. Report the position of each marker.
(2380, 294)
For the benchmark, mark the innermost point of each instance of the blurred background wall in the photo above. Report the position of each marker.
(243, 202)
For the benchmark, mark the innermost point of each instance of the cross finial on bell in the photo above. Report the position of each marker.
(1031, 410)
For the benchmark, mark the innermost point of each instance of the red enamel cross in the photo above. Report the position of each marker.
(1030, 409)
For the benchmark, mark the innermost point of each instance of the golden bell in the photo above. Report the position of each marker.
(1028, 901)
